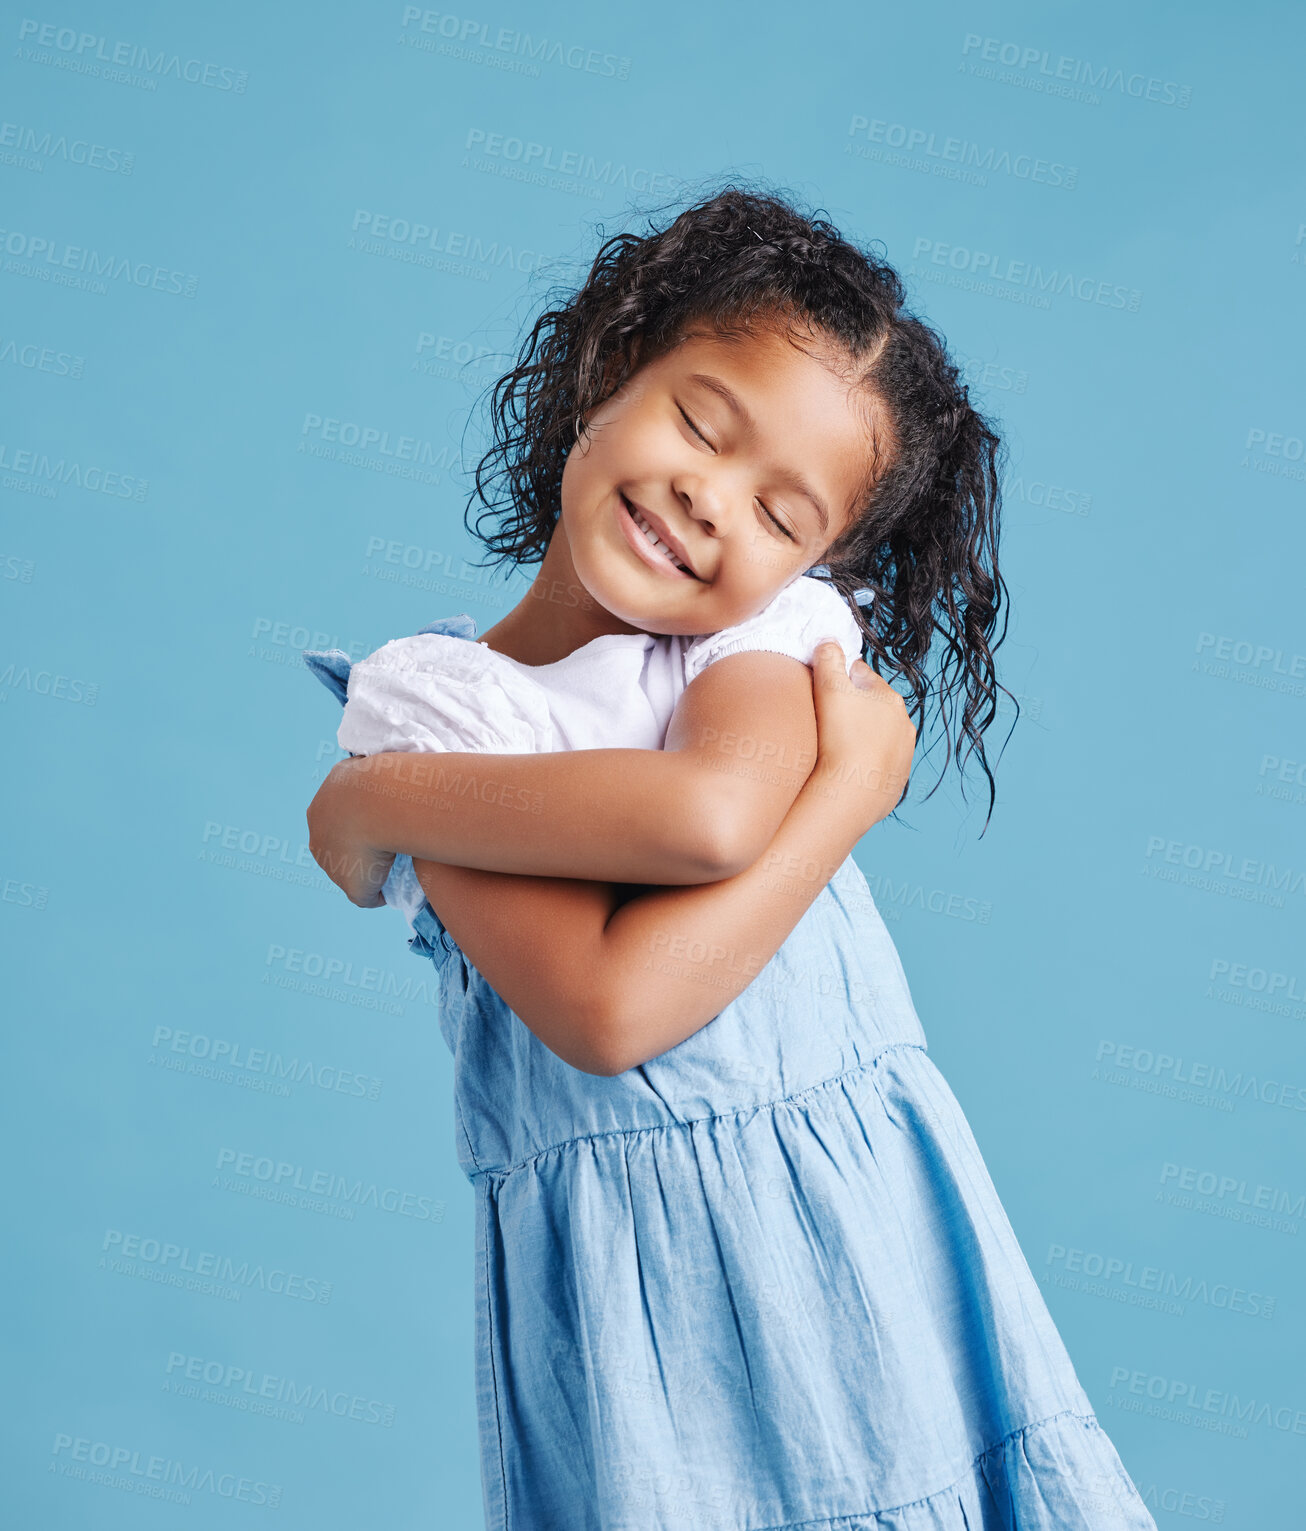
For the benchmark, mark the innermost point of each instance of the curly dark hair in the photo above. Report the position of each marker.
(923, 537)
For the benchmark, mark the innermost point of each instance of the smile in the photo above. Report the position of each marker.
(649, 545)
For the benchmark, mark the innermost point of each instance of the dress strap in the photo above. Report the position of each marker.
(461, 626)
(332, 667)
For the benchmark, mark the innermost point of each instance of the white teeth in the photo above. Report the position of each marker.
(651, 536)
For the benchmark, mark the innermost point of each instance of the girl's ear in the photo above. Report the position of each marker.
(610, 372)
(612, 369)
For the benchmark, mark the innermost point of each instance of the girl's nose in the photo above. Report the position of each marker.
(705, 502)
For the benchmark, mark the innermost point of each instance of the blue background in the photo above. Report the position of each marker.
(1120, 1007)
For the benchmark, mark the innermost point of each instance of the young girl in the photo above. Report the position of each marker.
(739, 1261)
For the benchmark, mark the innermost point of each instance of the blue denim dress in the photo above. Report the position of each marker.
(762, 1282)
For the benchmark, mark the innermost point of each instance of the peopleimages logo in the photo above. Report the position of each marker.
(1211, 1401)
(1009, 276)
(421, 243)
(1218, 869)
(1233, 1188)
(87, 51)
(56, 472)
(1145, 1067)
(1245, 662)
(66, 688)
(467, 38)
(53, 260)
(565, 168)
(41, 358)
(261, 1392)
(376, 439)
(283, 1176)
(226, 1054)
(1154, 1279)
(1065, 69)
(206, 1271)
(156, 1477)
(1258, 980)
(947, 149)
(31, 147)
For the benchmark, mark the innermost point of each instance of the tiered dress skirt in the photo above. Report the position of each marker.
(764, 1281)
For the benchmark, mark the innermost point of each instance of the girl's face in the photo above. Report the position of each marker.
(748, 495)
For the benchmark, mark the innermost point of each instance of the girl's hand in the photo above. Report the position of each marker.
(865, 740)
(357, 869)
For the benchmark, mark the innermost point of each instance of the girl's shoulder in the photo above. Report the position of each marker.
(441, 690)
(804, 612)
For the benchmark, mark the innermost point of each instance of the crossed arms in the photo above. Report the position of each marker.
(539, 865)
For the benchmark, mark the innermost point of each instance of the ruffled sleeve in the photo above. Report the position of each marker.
(803, 613)
(434, 692)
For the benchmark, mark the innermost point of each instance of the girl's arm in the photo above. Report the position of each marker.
(607, 985)
(739, 746)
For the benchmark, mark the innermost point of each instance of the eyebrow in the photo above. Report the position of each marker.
(794, 479)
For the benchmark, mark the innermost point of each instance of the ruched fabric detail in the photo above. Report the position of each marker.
(763, 1282)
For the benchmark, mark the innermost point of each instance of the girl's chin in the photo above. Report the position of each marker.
(631, 601)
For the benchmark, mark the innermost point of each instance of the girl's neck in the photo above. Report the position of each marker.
(556, 616)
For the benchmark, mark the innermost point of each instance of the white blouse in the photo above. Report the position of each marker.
(619, 691)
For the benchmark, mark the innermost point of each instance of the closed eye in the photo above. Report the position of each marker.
(780, 524)
(692, 426)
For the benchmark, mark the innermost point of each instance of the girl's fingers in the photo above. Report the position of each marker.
(832, 676)
(828, 660)
(862, 675)
(830, 667)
